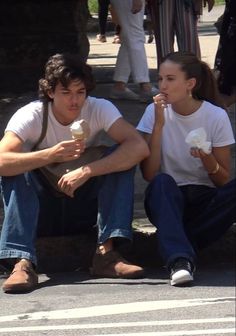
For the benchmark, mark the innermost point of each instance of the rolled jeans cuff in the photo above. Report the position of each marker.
(127, 234)
(15, 254)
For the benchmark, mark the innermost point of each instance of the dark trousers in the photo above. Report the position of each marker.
(103, 6)
(190, 217)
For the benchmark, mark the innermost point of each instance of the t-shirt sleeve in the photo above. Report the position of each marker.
(147, 121)
(223, 132)
(107, 114)
(26, 124)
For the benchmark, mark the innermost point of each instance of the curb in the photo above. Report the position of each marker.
(74, 253)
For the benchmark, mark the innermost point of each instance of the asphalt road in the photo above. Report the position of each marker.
(74, 304)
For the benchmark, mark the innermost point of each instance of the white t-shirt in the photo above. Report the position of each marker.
(175, 152)
(27, 123)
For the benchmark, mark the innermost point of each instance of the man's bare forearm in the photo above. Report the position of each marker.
(126, 155)
(13, 163)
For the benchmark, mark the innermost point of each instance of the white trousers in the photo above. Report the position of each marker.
(131, 58)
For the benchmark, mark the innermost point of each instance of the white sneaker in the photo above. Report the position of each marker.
(181, 272)
(126, 94)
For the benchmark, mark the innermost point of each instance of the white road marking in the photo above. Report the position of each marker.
(155, 333)
(177, 333)
(115, 309)
(104, 326)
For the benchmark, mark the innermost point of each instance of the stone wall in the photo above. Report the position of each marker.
(31, 31)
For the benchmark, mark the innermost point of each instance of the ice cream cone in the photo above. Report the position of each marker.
(80, 130)
(78, 136)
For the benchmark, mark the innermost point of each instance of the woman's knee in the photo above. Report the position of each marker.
(162, 181)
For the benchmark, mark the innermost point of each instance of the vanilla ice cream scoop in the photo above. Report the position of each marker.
(80, 130)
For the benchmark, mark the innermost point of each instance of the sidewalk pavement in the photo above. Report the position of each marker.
(103, 55)
(68, 253)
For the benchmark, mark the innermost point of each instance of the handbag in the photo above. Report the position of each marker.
(51, 173)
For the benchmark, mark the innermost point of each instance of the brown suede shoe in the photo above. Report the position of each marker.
(112, 265)
(22, 279)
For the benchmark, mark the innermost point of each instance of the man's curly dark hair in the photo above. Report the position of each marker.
(64, 68)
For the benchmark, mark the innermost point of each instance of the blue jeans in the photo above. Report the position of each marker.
(188, 217)
(28, 203)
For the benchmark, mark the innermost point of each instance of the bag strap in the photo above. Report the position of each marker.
(44, 126)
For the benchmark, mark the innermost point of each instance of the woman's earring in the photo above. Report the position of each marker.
(190, 94)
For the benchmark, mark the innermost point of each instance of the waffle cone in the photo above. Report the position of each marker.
(78, 136)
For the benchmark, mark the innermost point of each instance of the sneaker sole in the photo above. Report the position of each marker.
(181, 277)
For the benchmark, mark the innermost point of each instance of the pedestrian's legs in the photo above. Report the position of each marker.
(133, 39)
(186, 29)
(164, 204)
(162, 14)
(117, 38)
(122, 68)
(103, 6)
(117, 29)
